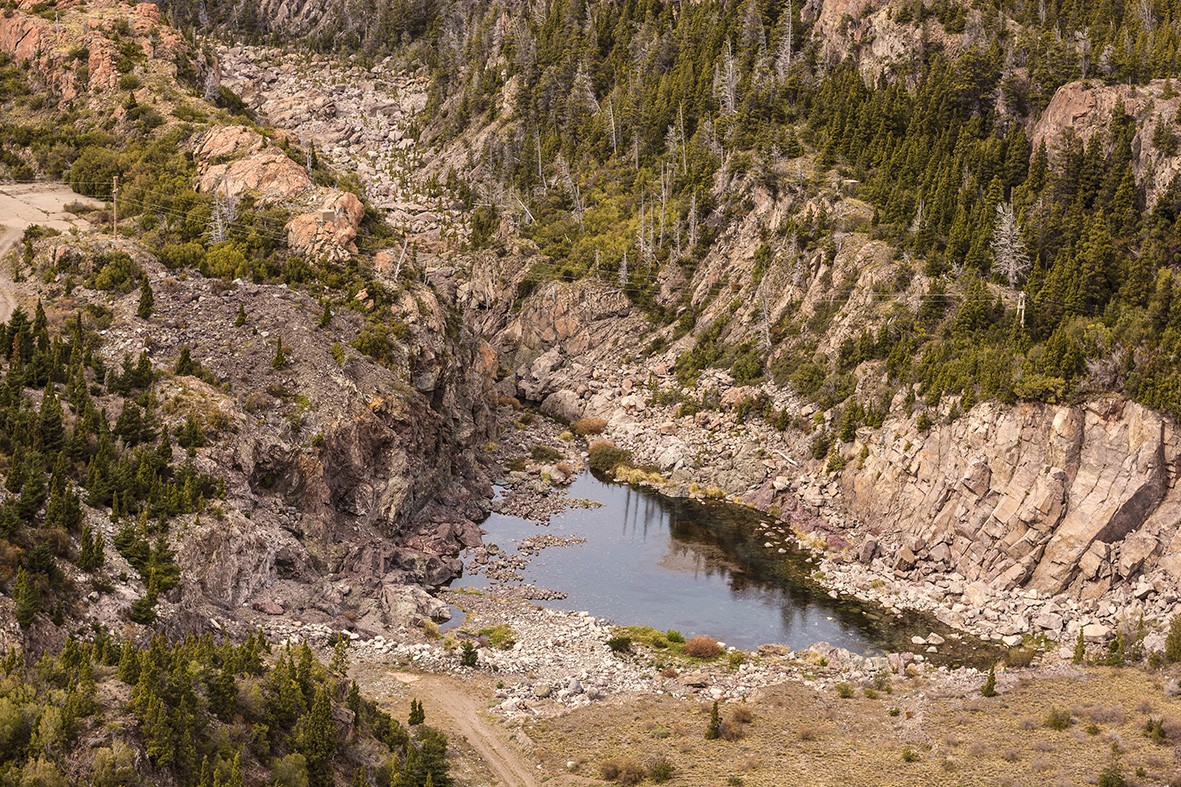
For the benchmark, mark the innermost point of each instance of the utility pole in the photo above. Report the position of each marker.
(115, 205)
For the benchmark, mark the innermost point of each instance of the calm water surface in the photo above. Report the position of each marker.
(695, 567)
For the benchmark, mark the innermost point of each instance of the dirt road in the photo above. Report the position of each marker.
(25, 204)
(442, 696)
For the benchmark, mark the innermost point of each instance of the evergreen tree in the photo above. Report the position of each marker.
(146, 300)
(279, 361)
(713, 730)
(316, 739)
(989, 687)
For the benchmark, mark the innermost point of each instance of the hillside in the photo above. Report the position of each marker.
(900, 274)
(893, 226)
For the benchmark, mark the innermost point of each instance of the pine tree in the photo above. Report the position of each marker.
(24, 593)
(340, 656)
(223, 694)
(714, 730)
(146, 300)
(417, 714)
(280, 359)
(240, 319)
(316, 739)
(1080, 649)
(989, 687)
(185, 364)
(1173, 640)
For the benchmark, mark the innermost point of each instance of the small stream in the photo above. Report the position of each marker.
(702, 568)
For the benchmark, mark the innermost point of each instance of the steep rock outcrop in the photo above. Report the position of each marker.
(76, 55)
(1085, 109)
(235, 161)
(1050, 497)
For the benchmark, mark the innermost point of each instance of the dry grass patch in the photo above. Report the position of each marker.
(800, 737)
(703, 648)
(588, 426)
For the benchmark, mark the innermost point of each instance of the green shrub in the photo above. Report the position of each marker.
(1154, 730)
(661, 771)
(844, 691)
(500, 636)
(1112, 776)
(115, 272)
(468, 655)
(620, 644)
(543, 453)
(605, 456)
(1058, 719)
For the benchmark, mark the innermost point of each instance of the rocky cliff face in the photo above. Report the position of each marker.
(79, 53)
(1084, 109)
(346, 480)
(1059, 499)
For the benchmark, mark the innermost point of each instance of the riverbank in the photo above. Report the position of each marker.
(747, 461)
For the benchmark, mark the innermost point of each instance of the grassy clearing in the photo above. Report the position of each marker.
(920, 734)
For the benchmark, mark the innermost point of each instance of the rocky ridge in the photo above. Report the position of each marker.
(76, 54)
(362, 119)
(345, 482)
(1033, 503)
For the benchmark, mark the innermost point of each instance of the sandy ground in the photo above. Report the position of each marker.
(26, 204)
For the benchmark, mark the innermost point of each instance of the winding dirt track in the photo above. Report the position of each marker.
(25, 204)
(442, 696)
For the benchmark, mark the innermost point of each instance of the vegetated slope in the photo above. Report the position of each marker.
(894, 210)
(201, 713)
(230, 410)
(646, 132)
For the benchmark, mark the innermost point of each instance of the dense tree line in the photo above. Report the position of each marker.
(629, 115)
(65, 449)
(202, 713)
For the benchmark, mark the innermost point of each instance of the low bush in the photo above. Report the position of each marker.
(620, 644)
(703, 648)
(605, 456)
(661, 771)
(588, 426)
(501, 637)
(844, 691)
(543, 453)
(1058, 719)
(626, 772)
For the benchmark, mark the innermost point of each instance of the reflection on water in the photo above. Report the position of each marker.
(699, 568)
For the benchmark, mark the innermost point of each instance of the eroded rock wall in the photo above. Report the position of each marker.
(1059, 499)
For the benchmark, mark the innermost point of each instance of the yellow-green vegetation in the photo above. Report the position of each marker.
(500, 636)
(546, 454)
(635, 475)
(604, 456)
(672, 640)
(588, 426)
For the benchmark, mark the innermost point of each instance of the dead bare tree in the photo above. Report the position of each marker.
(1008, 248)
